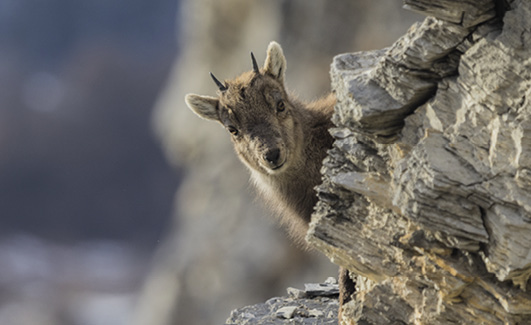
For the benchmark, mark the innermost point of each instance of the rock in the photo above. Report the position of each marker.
(425, 196)
(321, 289)
(376, 90)
(316, 304)
(296, 293)
(457, 12)
(328, 288)
(315, 313)
(286, 310)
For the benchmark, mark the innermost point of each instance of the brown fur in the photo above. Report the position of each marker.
(282, 141)
(298, 130)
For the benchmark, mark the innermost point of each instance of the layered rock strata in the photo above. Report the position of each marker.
(426, 196)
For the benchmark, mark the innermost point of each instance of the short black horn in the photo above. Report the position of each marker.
(255, 65)
(220, 85)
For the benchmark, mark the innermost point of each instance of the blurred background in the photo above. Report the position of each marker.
(117, 204)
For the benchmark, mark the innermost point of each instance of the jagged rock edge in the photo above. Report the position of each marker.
(315, 239)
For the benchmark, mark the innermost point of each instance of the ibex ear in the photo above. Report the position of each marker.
(275, 63)
(204, 106)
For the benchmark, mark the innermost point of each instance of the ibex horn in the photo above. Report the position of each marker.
(221, 86)
(255, 65)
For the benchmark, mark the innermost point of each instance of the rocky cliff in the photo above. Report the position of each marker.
(426, 196)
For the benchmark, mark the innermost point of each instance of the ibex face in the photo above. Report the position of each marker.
(256, 110)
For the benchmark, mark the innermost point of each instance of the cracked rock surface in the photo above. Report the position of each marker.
(426, 196)
(316, 304)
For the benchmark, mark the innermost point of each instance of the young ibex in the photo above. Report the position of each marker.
(282, 140)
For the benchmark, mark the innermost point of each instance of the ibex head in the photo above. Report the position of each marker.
(257, 112)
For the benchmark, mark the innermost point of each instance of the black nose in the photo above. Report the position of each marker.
(272, 156)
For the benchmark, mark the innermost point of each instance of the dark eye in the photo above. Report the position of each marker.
(232, 130)
(281, 106)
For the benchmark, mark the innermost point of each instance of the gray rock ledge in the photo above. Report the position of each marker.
(316, 304)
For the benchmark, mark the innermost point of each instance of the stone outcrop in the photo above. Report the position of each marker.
(426, 196)
(316, 304)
